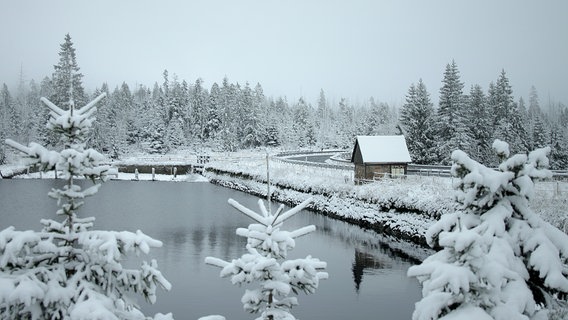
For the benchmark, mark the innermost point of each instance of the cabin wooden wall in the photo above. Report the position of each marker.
(370, 171)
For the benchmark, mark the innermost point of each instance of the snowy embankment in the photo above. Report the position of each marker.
(404, 208)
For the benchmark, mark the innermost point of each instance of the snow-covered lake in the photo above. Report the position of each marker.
(367, 279)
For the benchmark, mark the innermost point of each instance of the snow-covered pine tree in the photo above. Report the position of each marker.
(252, 126)
(282, 121)
(498, 259)
(323, 121)
(267, 248)
(452, 133)
(102, 130)
(378, 119)
(507, 121)
(157, 137)
(479, 123)
(538, 134)
(559, 140)
(67, 84)
(416, 117)
(213, 113)
(302, 124)
(227, 135)
(67, 270)
(344, 128)
(174, 132)
(33, 118)
(8, 113)
(176, 113)
(46, 136)
(3, 120)
(198, 102)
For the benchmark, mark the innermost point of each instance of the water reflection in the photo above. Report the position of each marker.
(364, 260)
(193, 220)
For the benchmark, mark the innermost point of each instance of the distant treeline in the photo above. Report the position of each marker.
(232, 116)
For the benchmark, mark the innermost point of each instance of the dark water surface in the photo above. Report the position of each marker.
(193, 220)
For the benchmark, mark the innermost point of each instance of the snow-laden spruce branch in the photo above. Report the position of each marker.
(498, 259)
(267, 248)
(68, 270)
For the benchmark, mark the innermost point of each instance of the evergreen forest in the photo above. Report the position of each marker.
(228, 116)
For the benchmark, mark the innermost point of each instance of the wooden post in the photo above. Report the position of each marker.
(153, 174)
(175, 172)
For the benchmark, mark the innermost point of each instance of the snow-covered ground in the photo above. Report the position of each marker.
(404, 207)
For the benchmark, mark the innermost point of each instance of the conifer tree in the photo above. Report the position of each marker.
(198, 104)
(213, 113)
(68, 270)
(276, 118)
(264, 263)
(302, 124)
(323, 121)
(252, 126)
(452, 133)
(4, 116)
(272, 138)
(479, 123)
(559, 141)
(33, 118)
(47, 137)
(508, 124)
(416, 118)
(102, 129)
(498, 259)
(378, 119)
(345, 124)
(67, 80)
(228, 116)
(9, 113)
(538, 134)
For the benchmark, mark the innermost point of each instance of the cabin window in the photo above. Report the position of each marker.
(397, 171)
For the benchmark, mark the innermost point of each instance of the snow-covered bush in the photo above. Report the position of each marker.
(265, 263)
(67, 270)
(498, 260)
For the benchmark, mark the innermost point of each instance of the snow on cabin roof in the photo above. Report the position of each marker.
(382, 149)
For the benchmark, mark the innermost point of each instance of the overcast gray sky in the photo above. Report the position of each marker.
(353, 49)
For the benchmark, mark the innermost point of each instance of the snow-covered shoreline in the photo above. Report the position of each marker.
(403, 208)
(388, 207)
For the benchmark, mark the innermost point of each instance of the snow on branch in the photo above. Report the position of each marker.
(55, 109)
(290, 213)
(264, 263)
(248, 212)
(495, 251)
(88, 107)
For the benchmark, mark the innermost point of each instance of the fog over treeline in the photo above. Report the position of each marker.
(228, 116)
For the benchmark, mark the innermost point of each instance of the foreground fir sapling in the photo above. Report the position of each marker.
(67, 270)
(264, 263)
(498, 259)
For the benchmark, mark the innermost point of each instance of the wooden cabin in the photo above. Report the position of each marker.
(380, 156)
